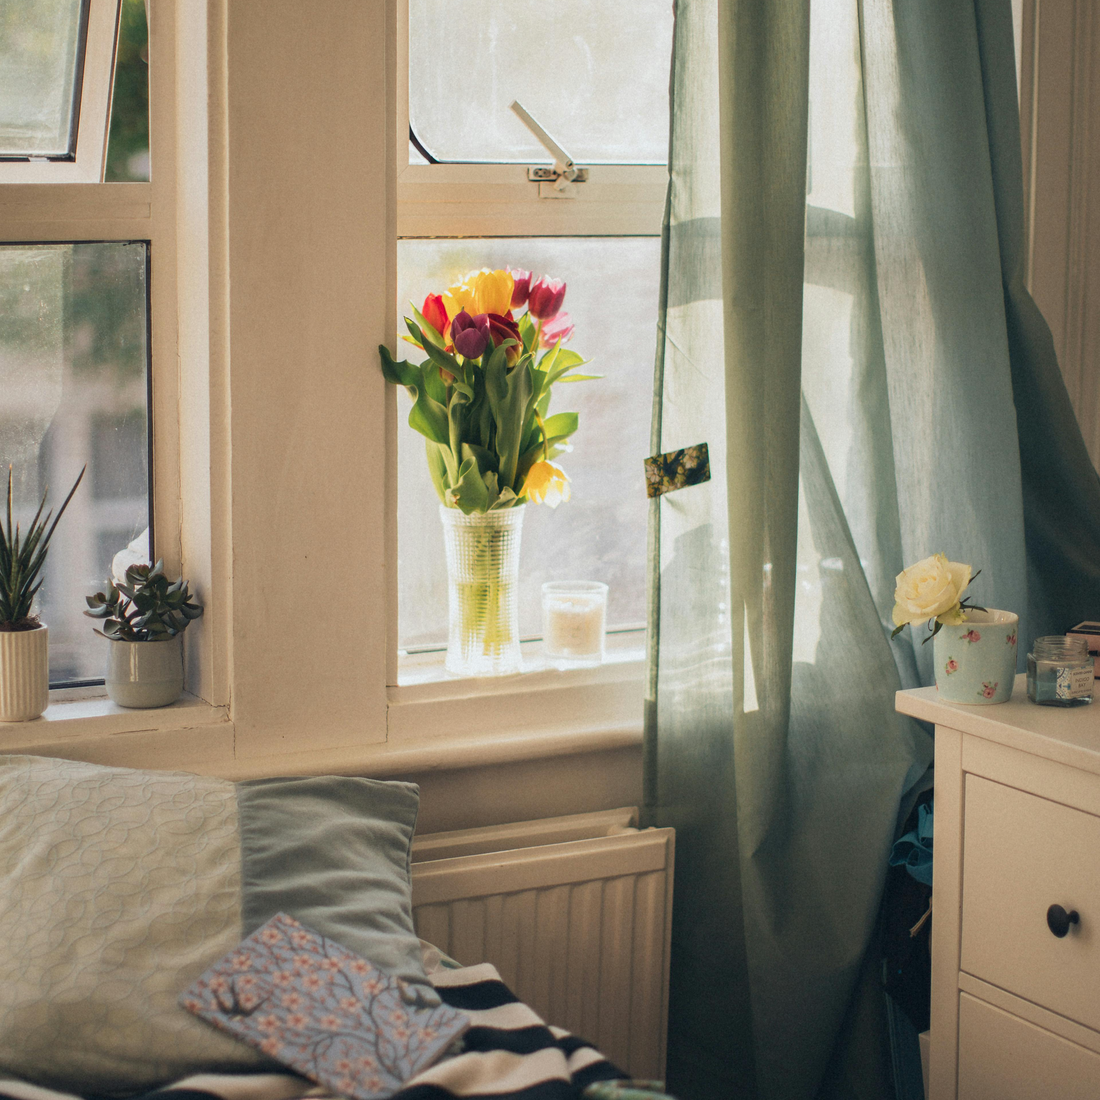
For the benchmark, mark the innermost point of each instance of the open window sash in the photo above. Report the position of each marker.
(91, 106)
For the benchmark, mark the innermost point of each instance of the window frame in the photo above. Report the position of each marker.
(49, 207)
(454, 200)
(261, 476)
(498, 200)
(93, 112)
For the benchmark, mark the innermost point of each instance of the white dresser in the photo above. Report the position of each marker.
(1015, 1006)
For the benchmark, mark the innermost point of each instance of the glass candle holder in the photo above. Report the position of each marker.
(1059, 672)
(574, 617)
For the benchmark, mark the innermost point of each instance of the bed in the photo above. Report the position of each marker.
(119, 888)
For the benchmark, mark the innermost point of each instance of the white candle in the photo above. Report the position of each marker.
(574, 616)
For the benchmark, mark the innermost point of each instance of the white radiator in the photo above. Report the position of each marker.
(574, 912)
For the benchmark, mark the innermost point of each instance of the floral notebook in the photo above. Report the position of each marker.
(323, 1011)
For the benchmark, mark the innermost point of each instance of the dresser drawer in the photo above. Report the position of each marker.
(1021, 854)
(1002, 1057)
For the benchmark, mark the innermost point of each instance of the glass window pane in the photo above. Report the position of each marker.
(73, 390)
(600, 534)
(128, 141)
(599, 90)
(39, 76)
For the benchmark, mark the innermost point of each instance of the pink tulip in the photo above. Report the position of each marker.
(521, 286)
(556, 331)
(545, 298)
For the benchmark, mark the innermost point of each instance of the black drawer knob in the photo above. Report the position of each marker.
(1058, 920)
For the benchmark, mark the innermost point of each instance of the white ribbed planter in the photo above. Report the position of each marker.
(145, 674)
(24, 674)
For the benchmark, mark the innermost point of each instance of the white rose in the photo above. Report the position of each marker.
(931, 589)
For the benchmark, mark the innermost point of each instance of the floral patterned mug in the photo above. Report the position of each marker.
(976, 660)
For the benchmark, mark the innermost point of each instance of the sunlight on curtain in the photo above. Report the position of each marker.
(842, 264)
(869, 422)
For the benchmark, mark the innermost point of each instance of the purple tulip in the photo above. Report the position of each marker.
(470, 335)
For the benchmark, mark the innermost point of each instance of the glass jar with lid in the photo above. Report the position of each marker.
(1059, 672)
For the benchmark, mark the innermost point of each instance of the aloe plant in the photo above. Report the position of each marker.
(147, 608)
(22, 559)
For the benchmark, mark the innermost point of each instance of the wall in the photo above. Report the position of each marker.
(1060, 119)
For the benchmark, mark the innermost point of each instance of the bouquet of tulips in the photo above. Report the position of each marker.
(481, 398)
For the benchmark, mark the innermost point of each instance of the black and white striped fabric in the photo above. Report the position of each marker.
(508, 1053)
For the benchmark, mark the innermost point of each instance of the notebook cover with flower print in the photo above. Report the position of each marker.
(323, 1011)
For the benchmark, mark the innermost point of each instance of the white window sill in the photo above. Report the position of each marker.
(433, 723)
(83, 723)
(622, 647)
(428, 706)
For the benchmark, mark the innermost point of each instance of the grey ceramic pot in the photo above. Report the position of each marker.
(145, 674)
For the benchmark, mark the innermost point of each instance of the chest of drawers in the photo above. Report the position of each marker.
(1016, 899)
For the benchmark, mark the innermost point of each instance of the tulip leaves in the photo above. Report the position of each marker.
(429, 415)
(484, 420)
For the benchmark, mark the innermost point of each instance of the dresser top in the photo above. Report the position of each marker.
(1068, 735)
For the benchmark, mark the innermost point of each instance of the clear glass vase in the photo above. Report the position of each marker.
(482, 582)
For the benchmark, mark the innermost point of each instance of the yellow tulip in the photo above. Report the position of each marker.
(547, 483)
(480, 292)
(494, 291)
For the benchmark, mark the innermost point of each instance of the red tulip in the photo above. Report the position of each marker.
(556, 331)
(434, 313)
(504, 328)
(470, 334)
(545, 298)
(521, 286)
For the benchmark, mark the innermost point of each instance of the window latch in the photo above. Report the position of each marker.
(560, 181)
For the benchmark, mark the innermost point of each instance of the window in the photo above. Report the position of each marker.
(73, 372)
(87, 301)
(56, 68)
(269, 286)
(477, 189)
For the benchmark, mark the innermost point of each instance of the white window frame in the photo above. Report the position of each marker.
(273, 280)
(499, 200)
(66, 201)
(93, 120)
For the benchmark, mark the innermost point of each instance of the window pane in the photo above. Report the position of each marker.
(600, 534)
(73, 390)
(39, 76)
(598, 87)
(128, 142)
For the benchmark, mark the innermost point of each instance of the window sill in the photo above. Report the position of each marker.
(622, 647)
(433, 724)
(85, 717)
(542, 701)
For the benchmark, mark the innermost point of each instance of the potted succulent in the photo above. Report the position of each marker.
(24, 640)
(144, 619)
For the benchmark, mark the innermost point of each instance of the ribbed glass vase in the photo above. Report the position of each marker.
(482, 582)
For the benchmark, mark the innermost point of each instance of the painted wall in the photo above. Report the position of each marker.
(1060, 119)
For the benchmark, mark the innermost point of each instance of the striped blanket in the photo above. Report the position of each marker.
(508, 1053)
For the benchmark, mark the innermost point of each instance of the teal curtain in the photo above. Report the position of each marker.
(844, 323)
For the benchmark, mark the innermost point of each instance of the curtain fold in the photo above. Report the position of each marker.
(844, 323)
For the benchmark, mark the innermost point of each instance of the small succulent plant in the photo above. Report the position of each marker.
(147, 608)
(21, 561)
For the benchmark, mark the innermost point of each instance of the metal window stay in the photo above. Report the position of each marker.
(560, 181)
